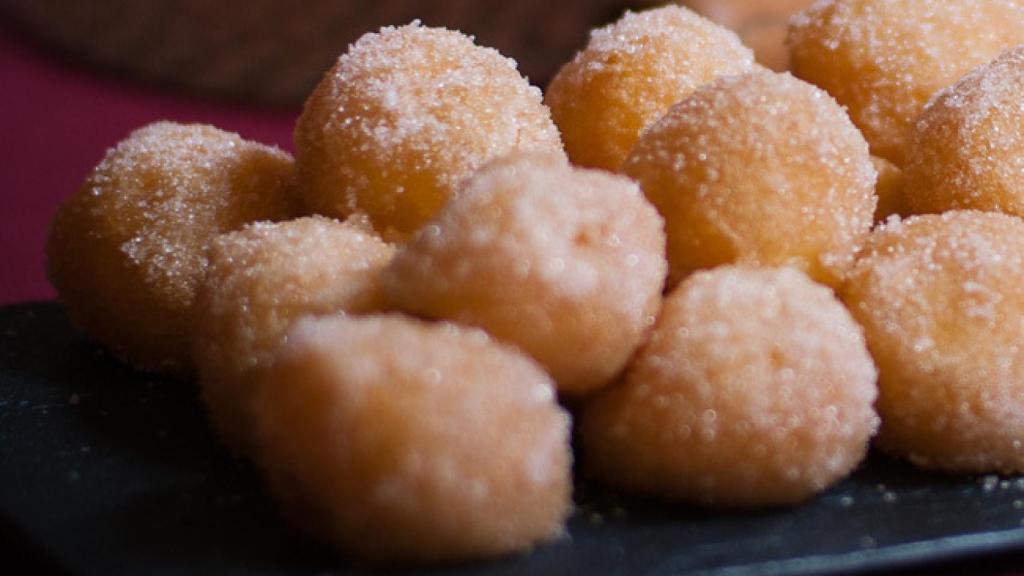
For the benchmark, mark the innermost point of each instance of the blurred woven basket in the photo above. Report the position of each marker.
(274, 51)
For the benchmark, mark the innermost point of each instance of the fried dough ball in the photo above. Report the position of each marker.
(260, 280)
(630, 73)
(941, 298)
(885, 59)
(967, 148)
(568, 264)
(755, 389)
(758, 169)
(889, 189)
(127, 253)
(404, 116)
(412, 442)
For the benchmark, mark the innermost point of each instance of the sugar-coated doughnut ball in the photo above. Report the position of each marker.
(566, 263)
(402, 442)
(755, 389)
(889, 189)
(885, 59)
(262, 279)
(941, 298)
(630, 73)
(758, 169)
(127, 253)
(404, 116)
(967, 148)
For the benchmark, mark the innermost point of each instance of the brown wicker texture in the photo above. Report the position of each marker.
(275, 51)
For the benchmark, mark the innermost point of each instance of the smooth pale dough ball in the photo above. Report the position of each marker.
(889, 189)
(885, 59)
(568, 264)
(755, 389)
(758, 169)
(127, 253)
(967, 148)
(404, 116)
(262, 279)
(941, 298)
(630, 73)
(400, 441)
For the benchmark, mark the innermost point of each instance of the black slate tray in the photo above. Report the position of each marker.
(105, 471)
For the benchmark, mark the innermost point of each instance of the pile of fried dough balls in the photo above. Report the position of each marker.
(387, 324)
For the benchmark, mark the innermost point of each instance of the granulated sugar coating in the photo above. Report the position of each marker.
(127, 253)
(755, 389)
(967, 148)
(404, 116)
(885, 59)
(758, 169)
(889, 189)
(941, 298)
(630, 73)
(400, 441)
(567, 264)
(259, 281)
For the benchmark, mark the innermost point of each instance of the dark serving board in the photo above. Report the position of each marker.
(105, 471)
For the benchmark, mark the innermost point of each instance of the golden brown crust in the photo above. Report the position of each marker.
(127, 253)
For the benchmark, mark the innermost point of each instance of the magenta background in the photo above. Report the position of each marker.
(56, 121)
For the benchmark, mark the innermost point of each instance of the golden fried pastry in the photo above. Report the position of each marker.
(400, 441)
(404, 116)
(967, 148)
(568, 264)
(127, 253)
(885, 59)
(941, 297)
(759, 169)
(262, 279)
(630, 73)
(756, 389)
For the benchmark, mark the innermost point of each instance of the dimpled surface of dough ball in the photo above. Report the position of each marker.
(260, 280)
(567, 264)
(884, 59)
(630, 73)
(941, 298)
(127, 253)
(755, 389)
(404, 116)
(967, 148)
(758, 169)
(412, 442)
(889, 189)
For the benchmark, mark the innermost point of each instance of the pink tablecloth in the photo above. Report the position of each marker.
(56, 120)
